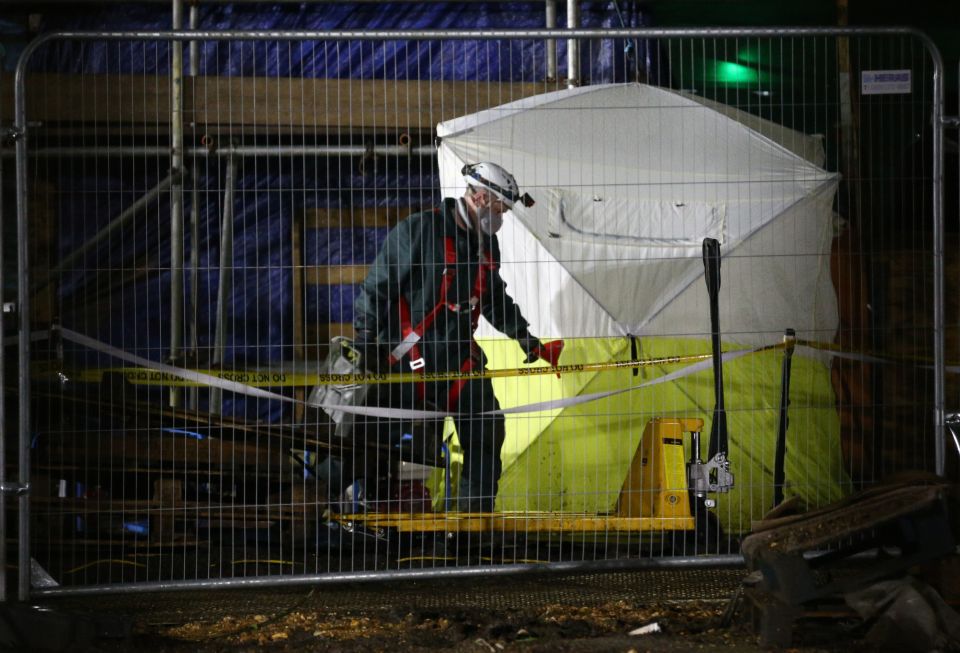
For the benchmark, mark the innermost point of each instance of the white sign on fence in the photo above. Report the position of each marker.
(884, 82)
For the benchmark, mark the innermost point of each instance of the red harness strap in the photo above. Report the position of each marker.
(406, 325)
(407, 328)
(479, 287)
(453, 395)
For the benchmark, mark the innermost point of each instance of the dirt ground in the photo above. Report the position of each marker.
(553, 612)
(689, 626)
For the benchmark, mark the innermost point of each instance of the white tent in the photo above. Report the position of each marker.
(628, 180)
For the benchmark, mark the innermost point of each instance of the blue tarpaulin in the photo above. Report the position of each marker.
(502, 60)
(133, 305)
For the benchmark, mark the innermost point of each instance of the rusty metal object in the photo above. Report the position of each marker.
(801, 559)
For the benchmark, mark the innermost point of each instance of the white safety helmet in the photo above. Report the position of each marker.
(497, 180)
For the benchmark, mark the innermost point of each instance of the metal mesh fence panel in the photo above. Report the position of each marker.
(271, 336)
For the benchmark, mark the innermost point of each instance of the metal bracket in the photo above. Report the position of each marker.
(711, 476)
(9, 488)
(950, 121)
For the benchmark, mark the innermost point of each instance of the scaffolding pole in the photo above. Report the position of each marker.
(226, 278)
(176, 197)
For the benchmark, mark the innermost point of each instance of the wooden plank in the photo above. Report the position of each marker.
(380, 216)
(331, 275)
(320, 334)
(211, 102)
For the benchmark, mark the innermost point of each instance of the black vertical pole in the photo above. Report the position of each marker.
(711, 265)
(779, 473)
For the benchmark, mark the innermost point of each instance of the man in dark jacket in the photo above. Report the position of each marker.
(418, 308)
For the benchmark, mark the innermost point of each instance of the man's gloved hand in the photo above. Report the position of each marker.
(550, 352)
(373, 356)
(536, 350)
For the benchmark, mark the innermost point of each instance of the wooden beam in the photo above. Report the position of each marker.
(281, 104)
(331, 275)
(322, 333)
(381, 216)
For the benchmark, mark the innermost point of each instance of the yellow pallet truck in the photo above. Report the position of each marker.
(663, 492)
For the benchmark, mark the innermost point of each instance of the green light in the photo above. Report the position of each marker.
(727, 72)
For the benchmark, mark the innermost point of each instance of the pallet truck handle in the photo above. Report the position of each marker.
(711, 265)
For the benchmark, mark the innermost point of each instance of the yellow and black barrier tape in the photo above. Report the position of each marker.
(279, 378)
(143, 370)
(186, 376)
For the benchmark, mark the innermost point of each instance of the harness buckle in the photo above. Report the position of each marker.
(417, 364)
(468, 305)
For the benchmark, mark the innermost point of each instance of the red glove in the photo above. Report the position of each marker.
(548, 351)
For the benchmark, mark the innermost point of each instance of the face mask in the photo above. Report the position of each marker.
(489, 221)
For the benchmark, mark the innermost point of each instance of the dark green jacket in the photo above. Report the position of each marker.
(411, 264)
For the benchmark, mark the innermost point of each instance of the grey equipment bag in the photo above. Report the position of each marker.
(342, 359)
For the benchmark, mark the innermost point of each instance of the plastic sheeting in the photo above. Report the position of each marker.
(268, 192)
(504, 60)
